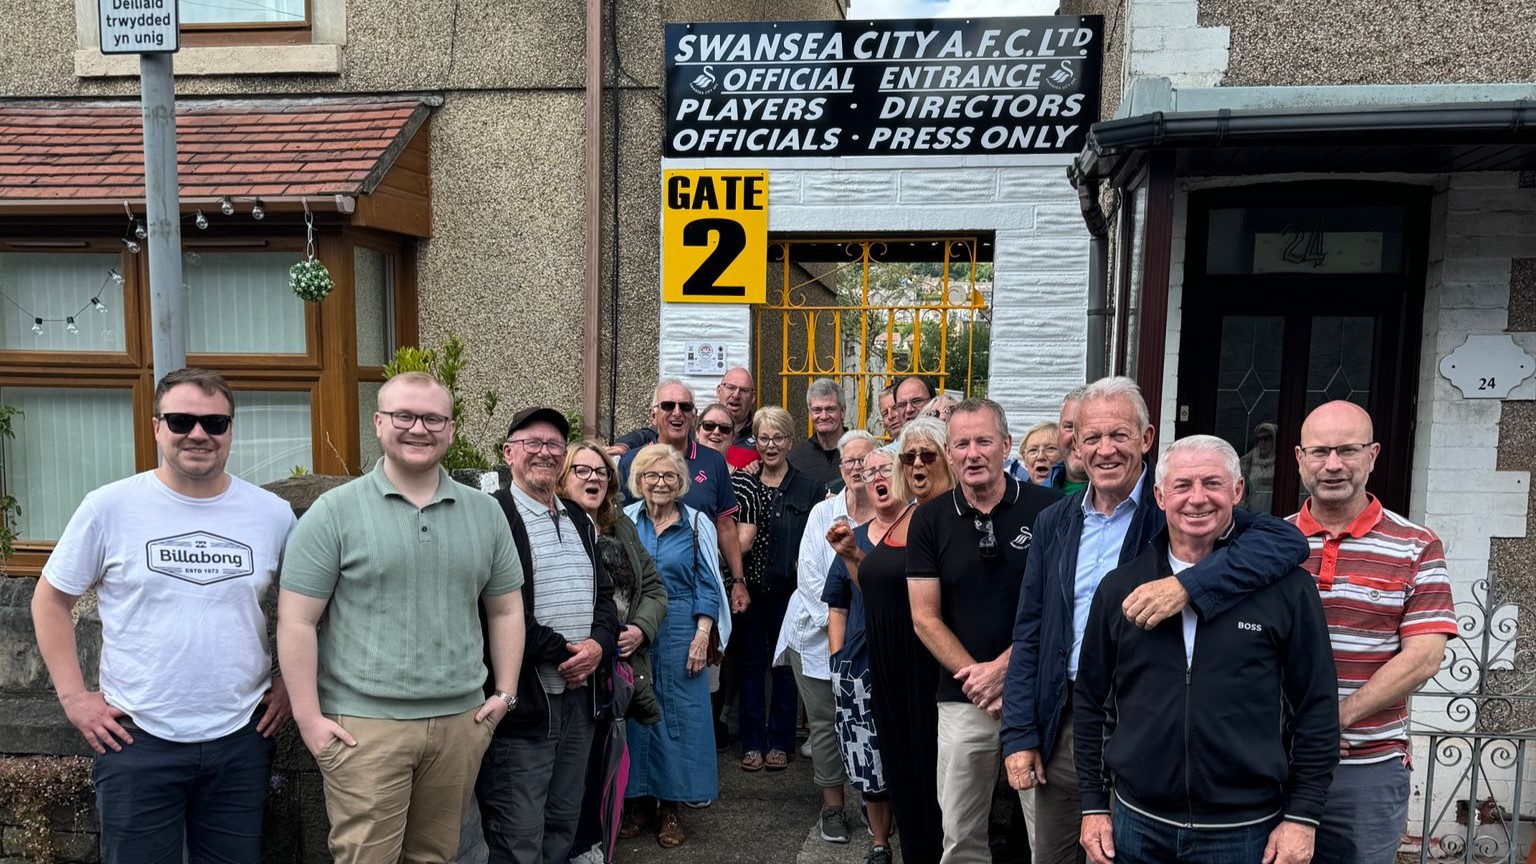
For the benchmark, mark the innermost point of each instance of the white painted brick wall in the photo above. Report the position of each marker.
(1166, 41)
(1039, 314)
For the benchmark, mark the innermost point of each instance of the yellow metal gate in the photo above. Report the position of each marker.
(867, 312)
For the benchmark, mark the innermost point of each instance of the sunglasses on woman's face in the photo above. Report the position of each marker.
(712, 427)
(912, 457)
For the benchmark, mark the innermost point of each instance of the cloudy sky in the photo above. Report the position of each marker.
(948, 8)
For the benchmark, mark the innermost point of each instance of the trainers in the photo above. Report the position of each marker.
(878, 855)
(591, 856)
(698, 805)
(834, 825)
(805, 749)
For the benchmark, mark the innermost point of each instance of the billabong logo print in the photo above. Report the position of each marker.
(200, 558)
(1021, 542)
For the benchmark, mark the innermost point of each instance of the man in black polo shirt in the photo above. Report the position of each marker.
(966, 552)
(817, 456)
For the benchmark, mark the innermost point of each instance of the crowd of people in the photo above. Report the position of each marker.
(1162, 673)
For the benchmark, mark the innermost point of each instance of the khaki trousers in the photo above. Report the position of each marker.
(969, 755)
(1058, 805)
(400, 794)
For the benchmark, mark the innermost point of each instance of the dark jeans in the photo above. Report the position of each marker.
(757, 631)
(157, 796)
(530, 789)
(1140, 839)
(1365, 816)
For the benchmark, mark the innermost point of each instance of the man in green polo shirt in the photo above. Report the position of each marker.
(388, 696)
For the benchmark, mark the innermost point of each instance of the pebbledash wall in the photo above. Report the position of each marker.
(1040, 255)
(1472, 460)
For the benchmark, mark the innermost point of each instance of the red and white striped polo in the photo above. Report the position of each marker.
(1382, 579)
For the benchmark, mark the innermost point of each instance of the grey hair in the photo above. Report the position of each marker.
(821, 388)
(1043, 426)
(929, 428)
(1074, 395)
(1118, 387)
(1201, 444)
(978, 405)
(667, 382)
(853, 435)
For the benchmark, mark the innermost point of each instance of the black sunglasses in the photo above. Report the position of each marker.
(668, 406)
(181, 424)
(712, 426)
(987, 545)
(911, 457)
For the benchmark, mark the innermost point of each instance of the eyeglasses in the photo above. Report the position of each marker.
(734, 388)
(987, 545)
(852, 462)
(669, 406)
(407, 419)
(772, 440)
(181, 424)
(587, 472)
(712, 427)
(911, 404)
(661, 478)
(939, 413)
(1320, 454)
(536, 445)
(879, 472)
(1049, 451)
(912, 457)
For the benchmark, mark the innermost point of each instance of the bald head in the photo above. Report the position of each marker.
(1338, 416)
(1336, 456)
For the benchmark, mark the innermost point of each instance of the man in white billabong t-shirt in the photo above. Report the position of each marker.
(181, 558)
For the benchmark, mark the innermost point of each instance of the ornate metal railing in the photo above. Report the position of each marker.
(1477, 723)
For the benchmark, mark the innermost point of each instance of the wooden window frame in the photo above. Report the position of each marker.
(223, 34)
(327, 370)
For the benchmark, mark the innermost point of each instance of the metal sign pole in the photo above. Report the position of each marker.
(167, 299)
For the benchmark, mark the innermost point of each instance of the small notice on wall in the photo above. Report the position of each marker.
(705, 358)
(1488, 366)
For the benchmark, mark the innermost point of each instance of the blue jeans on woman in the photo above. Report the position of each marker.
(1140, 839)
(754, 634)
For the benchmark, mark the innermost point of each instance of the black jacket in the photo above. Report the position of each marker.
(542, 645)
(779, 532)
(1035, 693)
(1248, 728)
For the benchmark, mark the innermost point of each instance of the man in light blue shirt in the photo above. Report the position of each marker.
(1098, 552)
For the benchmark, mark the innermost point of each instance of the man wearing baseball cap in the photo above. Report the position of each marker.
(533, 776)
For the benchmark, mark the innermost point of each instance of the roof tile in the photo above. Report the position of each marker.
(263, 147)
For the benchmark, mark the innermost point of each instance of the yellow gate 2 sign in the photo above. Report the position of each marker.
(714, 237)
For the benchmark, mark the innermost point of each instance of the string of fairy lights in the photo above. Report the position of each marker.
(134, 237)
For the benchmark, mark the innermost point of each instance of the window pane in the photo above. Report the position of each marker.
(1305, 240)
(241, 11)
(1248, 399)
(68, 442)
(272, 435)
(55, 287)
(367, 442)
(373, 278)
(240, 303)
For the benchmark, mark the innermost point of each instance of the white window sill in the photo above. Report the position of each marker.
(222, 60)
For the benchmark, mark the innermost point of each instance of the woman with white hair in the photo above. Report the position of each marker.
(674, 760)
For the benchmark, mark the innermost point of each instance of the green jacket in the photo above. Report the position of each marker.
(646, 598)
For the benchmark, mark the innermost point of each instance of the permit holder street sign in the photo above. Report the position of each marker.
(937, 86)
(714, 236)
(139, 26)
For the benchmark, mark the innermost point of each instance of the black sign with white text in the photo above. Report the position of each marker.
(871, 88)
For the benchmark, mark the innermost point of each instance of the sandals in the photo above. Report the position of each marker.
(752, 760)
(669, 831)
(632, 825)
(777, 760)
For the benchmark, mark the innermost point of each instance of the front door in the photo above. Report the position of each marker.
(1297, 294)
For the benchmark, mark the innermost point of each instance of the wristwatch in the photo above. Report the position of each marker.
(507, 698)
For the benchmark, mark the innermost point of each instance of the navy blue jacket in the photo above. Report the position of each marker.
(1035, 692)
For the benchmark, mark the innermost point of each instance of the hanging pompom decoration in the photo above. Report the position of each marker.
(309, 279)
